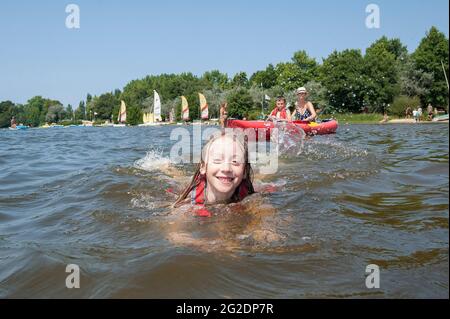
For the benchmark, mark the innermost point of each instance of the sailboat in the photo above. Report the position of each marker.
(184, 109)
(203, 107)
(122, 117)
(203, 110)
(156, 107)
(147, 119)
(154, 118)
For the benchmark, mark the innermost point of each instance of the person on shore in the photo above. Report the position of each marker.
(281, 112)
(385, 118)
(420, 112)
(408, 112)
(223, 114)
(304, 110)
(416, 115)
(430, 112)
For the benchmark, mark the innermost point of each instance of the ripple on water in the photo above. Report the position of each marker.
(97, 197)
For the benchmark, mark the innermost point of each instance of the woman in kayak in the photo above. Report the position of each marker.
(281, 112)
(224, 174)
(304, 110)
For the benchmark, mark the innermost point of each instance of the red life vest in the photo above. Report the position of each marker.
(283, 114)
(198, 196)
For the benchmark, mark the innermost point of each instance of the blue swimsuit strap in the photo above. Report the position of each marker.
(304, 115)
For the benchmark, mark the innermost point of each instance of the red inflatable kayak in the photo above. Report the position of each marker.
(310, 128)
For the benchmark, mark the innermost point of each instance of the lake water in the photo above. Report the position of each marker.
(96, 197)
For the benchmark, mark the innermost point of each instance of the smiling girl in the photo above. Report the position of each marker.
(224, 174)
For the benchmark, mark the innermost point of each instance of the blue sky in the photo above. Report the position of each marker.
(119, 41)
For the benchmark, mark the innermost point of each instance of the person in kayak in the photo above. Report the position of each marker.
(281, 112)
(304, 110)
(13, 122)
(224, 174)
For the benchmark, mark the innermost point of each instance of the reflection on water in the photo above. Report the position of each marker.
(97, 197)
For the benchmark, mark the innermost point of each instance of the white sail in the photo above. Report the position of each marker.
(157, 107)
(122, 118)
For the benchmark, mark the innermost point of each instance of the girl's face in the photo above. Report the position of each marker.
(224, 168)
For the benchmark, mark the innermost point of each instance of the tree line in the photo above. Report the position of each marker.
(383, 79)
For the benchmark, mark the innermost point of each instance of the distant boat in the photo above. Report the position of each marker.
(156, 107)
(184, 109)
(106, 124)
(122, 117)
(152, 119)
(147, 118)
(19, 128)
(441, 118)
(203, 107)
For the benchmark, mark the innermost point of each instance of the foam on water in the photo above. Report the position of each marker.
(154, 160)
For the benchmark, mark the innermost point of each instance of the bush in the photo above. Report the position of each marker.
(240, 103)
(401, 103)
(254, 115)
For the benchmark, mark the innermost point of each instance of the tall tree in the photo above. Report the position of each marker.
(70, 112)
(215, 79)
(266, 78)
(382, 71)
(240, 103)
(342, 73)
(301, 70)
(433, 49)
(240, 80)
(6, 113)
(80, 113)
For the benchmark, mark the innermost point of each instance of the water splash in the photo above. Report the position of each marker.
(289, 138)
(154, 160)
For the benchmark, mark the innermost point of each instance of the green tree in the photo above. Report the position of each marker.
(266, 78)
(240, 80)
(70, 112)
(215, 79)
(36, 110)
(342, 73)
(301, 70)
(382, 71)
(414, 82)
(80, 113)
(55, 113)
(401, 103)
(103, 105)
(134, 115)
(6, 113)
(240, 103)
(433, 49)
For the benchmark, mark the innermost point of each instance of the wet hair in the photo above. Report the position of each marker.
(247, 180)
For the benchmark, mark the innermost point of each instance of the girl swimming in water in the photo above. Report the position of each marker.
(224, 174)
(222, 184)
